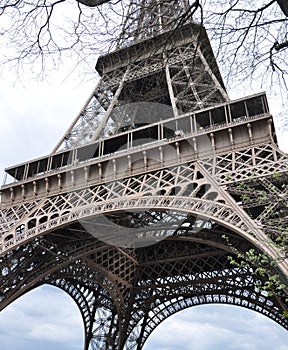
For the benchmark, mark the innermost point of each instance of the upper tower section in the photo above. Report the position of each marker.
(162, 57)
(148, 18)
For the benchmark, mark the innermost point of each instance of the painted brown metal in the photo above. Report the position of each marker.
(127, 214)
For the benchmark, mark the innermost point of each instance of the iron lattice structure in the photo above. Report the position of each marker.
(128, 214)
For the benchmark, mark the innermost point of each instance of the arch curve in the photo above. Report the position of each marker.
(243, 298)
(207, 209)
(217, 326)
(95, 312)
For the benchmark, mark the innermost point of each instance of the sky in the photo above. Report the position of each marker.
(33, 117)
(47, 319)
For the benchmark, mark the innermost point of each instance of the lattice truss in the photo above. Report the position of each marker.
(256, 178)
(179, 70)
(185, 187)
(124, 294)
(148, 18)
(123, 288)
(134, 248)
(189, 183)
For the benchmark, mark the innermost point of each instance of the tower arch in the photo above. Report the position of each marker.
(129, 209)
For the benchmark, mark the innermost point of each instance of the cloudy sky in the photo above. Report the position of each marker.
(47, 319)
(33, 116)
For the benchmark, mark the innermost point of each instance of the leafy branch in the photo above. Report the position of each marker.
(262, 266)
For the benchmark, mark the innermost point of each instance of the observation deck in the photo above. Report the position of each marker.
(161, 144)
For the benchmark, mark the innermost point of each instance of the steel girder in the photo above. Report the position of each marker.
(123, 294)
(135, 234)
(177, 69)
(182, 213)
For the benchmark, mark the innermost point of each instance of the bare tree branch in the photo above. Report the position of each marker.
(249, 36)
(284, 6)
(93, 3)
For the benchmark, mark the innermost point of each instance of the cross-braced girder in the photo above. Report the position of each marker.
(147, 18)
(177, 69)
(186, 269)
(141, 208)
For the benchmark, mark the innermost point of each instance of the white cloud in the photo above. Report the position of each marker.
(35, 116)
(218, 327)
(43, 318)
(47, 318)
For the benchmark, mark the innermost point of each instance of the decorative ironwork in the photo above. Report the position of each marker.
(129, 215)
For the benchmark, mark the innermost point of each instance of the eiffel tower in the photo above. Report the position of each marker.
(135, 212)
